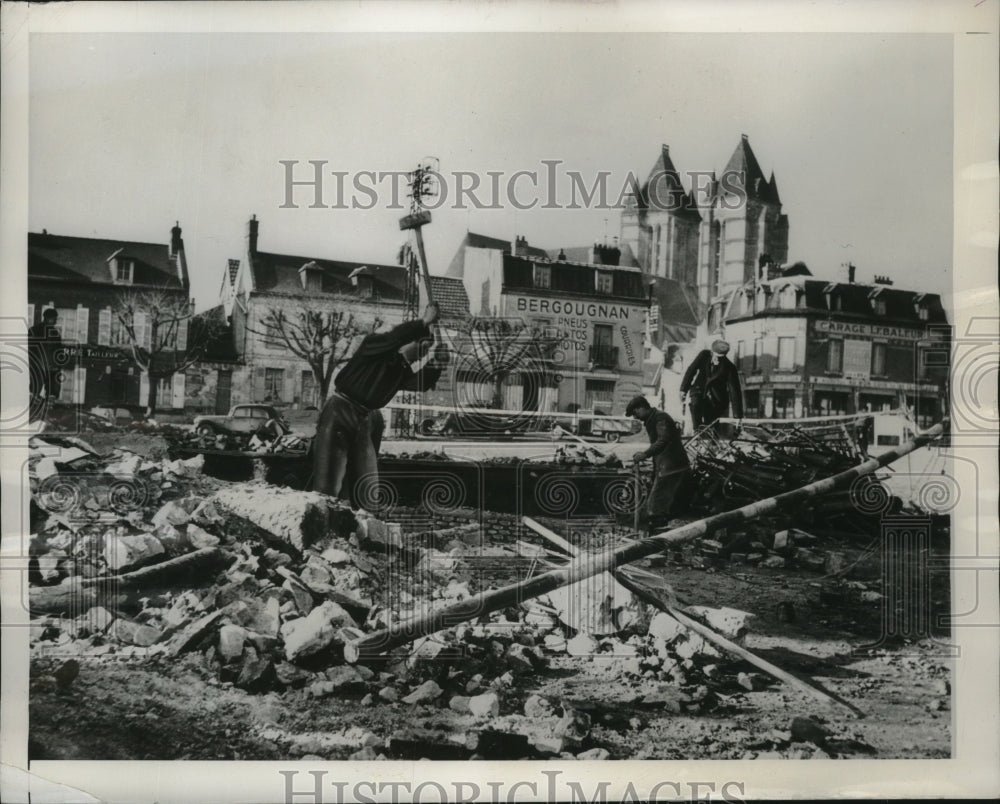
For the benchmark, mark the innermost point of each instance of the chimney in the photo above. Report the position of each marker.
(851, 268)
(252, 225)
(606, 255)
(562, 255)
(883, 280)
(176, 244)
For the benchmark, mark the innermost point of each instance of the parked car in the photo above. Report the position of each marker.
(240, 419)
(477, 420)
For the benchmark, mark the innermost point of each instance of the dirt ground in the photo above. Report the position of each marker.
(151, 707)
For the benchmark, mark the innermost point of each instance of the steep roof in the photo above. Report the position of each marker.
(744, 171)
(663, 189)
(473, 240)
(212, 324)
(452, 300)
(855, 299)
(675, 306)
(87, 259)
(279, 273)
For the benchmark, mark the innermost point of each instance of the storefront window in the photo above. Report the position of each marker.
(784, 404)
(835, 356)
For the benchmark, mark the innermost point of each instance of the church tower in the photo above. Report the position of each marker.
(742, 228)
(661, 226)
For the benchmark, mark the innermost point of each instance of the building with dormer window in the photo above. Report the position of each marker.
(83, 278)
(265, 280)
(809, 347)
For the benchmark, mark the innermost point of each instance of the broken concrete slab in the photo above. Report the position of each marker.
(308, 635)
(231, 641)
(124, 553)
(664, 627)
(198, 537)
(425, 693)
(188, 637)
(485, 705)
(731, 623)
(340, 679)
(598, 605)
(172, 513)
(299, 518)
(581, 645)
(133, 633)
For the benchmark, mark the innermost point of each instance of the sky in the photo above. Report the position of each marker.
(129, 133)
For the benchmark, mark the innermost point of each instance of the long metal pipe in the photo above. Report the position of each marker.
(586, 566)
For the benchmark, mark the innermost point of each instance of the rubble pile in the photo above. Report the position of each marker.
(583, 455)
(260, 587)
(760, 463)
(184, 439)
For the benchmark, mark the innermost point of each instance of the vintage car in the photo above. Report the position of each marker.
(240, 419)
(480, 420)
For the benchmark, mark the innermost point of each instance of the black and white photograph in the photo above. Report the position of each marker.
(536, 388)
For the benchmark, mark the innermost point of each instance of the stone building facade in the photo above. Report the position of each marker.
(808, 347)
(594, 317)
(267, 372)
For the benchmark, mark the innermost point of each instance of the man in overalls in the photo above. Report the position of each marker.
(378, 369)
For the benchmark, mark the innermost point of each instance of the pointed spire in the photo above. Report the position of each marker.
(773, 187)
(743, 161)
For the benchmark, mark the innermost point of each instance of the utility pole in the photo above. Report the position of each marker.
(422, 186)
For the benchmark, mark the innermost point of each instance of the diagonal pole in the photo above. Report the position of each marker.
(585, 566)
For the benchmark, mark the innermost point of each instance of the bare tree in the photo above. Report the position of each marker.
(499, 347)
(321, 339)
(153, 325)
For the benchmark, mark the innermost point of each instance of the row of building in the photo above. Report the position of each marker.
(619, 318)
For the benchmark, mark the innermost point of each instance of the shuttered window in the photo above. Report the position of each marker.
(104, 327)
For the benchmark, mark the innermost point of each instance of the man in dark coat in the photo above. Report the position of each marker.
(671, 467)
(44, 340)
(350, 421)
(714, 385)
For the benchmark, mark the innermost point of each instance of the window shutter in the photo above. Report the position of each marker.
(80, 391)
(31, 315)
(67, 325)
(258, 384)
(104, 327)
(144, 388)
(82, 324)
(182, 334)
(177, 400)
(139, 325)
(68, 382)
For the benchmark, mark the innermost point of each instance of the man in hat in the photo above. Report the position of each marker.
(671, 467)
(351, 422)
(712, 384)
